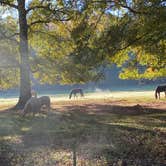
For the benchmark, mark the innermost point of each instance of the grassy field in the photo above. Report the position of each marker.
(96, 132)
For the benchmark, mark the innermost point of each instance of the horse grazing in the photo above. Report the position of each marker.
(35, 105)
(75, 92)
(45, 102)
(161, 88)
(32, 106)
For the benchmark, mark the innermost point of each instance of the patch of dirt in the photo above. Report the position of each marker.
(112, 106)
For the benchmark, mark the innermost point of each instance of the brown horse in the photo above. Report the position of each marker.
(161, 88)
(75, 92)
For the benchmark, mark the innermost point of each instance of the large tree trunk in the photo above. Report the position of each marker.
(25, 84)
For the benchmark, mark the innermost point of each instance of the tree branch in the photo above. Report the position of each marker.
(55, 13)
(37, 7)
(47, 21)
(47, 7)
(131, 43)
(11, 37)
(116, 2)
(132, 10)
(39, 22)
(6, 2)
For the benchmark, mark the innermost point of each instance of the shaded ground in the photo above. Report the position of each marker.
(93, 132)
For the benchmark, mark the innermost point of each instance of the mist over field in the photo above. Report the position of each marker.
(112, 85)
(62, 102)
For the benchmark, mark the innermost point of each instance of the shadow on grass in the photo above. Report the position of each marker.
(116, 109)
(88, 135)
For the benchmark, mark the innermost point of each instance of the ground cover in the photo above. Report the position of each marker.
(96, 132)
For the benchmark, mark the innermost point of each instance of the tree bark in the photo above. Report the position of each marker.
(25, 84)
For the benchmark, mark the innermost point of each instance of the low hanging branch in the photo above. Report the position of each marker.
(39, 22)
(11, 37)
(122, 5)
(8, 3)
(4, 36)
(55, 13)
(37, 7)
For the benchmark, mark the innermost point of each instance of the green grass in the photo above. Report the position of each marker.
(99, 137)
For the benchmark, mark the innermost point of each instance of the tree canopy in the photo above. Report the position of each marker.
(73, 41)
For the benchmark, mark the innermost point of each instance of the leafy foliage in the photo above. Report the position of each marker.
(9, 64)
(73, 41)
(143, 34)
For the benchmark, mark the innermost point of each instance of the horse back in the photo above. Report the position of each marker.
(44, 100)
(161, 88)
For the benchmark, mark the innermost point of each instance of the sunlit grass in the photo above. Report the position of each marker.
(97, 132)
(102, 94)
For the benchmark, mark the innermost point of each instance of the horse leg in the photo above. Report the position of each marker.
(75, 95)
(81, 93)
(156, 94)
(159, 95)
(70, 95)
(165, 94)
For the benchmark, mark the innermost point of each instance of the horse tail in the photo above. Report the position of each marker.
(156, 94)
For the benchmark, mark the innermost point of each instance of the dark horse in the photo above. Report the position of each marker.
(161, 88)
(75, 92)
